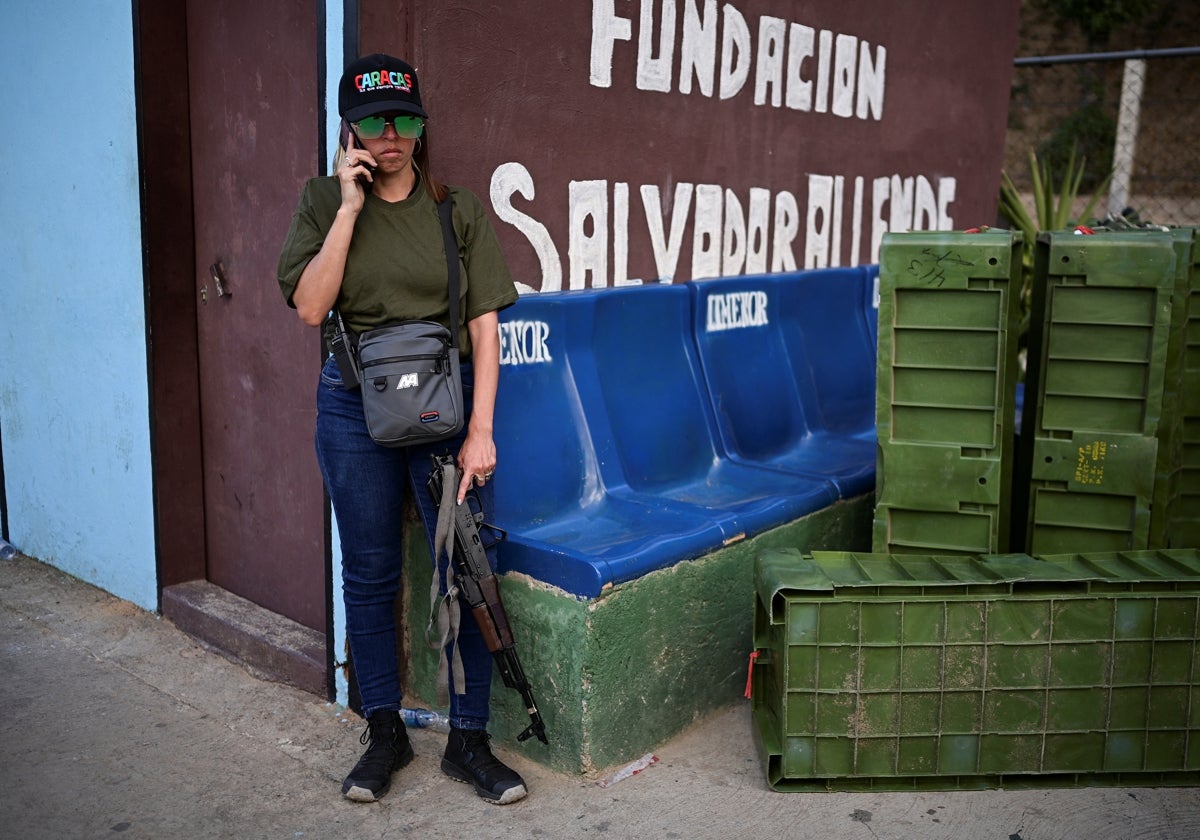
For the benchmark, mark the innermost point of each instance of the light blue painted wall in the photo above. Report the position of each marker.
(334, 60)
(74, 390)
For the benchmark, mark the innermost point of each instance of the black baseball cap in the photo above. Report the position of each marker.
(376, 84)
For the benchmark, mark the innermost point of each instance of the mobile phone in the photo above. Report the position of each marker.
(350, 141)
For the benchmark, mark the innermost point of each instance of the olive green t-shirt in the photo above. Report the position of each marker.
(396, 266)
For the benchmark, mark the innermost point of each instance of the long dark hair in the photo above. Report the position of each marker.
(435, 188)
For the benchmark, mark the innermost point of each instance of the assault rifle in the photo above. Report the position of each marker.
(479, 587)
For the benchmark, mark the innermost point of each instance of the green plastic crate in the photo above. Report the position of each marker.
(946, 391)
(1183, 526)
(1170, 464)
(900, 672)
(1094, 391)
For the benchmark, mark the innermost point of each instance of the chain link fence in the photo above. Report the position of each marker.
(1134, 115)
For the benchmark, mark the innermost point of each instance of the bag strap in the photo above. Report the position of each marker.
(445, 211)
(450, 240)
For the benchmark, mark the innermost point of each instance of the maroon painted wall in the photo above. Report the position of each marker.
(626, 140)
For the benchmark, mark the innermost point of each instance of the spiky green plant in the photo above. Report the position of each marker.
(1052, 207)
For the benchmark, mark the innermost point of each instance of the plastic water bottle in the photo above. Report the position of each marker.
(7, 550)
(425, 719)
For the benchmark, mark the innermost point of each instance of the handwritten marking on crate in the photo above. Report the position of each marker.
(930, 267)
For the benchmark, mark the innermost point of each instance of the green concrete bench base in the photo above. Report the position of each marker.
(617, 675)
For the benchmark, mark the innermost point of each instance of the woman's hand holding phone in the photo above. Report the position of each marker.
(356, 173)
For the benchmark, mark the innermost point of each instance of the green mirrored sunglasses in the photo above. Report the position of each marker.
(372, 128)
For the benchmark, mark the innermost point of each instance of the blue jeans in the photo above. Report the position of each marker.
(367, 484)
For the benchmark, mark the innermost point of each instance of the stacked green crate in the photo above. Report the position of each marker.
(1173, 427)
(898, 672)
(1094, 388)
(1183, 527)
(946, 391)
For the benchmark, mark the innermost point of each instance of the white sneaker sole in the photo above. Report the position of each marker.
(509, 796)
(360, 794)
(513, 794)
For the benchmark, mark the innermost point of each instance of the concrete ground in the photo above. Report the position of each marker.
(115, 724)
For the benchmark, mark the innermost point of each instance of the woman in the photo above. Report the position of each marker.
(368, 240)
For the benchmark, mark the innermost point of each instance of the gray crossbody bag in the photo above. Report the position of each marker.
(408, 372)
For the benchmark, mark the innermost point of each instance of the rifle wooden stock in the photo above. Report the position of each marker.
(495, 611)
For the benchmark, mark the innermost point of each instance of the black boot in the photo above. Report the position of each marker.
(469, 759)
(388, 750)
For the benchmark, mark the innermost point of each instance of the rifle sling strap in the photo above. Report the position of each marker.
(446, 609)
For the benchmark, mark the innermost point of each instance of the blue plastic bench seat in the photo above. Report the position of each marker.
(790, 366)
(563, 526)
(651, 391)
(871, 305)
(627, 444)
(607, 541)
